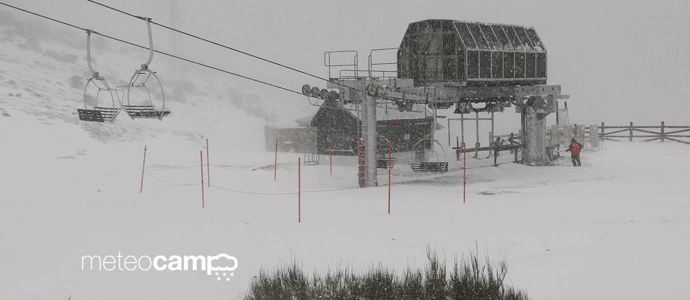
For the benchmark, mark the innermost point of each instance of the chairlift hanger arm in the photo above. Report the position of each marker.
(88, 54)
(148, 27)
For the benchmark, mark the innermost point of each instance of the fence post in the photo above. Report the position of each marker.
(496, 147)
(601, 136)
(208, 166)
(631, 131)
(464, 173)
(457, 150)
(511, 139)
(448, 132)
(143, 167)
(275, 163)
(663, 134)
(390, 168)
(299, 190)
(361, 160)
(201, 164)
(330, 160)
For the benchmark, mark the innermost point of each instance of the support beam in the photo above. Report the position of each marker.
(534, 134)
(370, 129)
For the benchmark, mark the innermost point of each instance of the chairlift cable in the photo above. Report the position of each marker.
(228, 47)
(45, 17)
(157, 51)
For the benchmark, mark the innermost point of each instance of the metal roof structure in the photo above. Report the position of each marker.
(470, 53)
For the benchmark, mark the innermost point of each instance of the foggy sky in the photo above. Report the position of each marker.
(619, 60)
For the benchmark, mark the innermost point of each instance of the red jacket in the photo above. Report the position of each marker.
(575, 149)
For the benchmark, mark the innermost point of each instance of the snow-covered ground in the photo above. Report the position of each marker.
(615, 228)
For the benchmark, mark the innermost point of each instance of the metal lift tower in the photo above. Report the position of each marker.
(475, 67)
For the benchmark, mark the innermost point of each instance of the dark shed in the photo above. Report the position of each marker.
(337, 129)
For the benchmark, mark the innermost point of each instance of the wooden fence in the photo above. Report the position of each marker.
(663, 132)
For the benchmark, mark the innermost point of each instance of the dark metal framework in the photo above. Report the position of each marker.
(478, 67)
(337, 131)
(474, 54)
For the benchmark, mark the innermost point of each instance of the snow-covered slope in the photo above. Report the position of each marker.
(613, 229)
(44, 71)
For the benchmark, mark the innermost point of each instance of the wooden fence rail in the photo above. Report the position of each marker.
(680, 134)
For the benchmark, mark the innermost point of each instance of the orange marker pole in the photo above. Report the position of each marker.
(275, 163)
(464, 173)
(143, 167)
(330, 160)
(299, 190)
(201, 159)
(208, 166)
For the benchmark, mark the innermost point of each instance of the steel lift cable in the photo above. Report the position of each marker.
(156, 51)
(228, 47)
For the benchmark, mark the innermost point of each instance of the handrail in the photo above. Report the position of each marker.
(327, 60)
(371, 59)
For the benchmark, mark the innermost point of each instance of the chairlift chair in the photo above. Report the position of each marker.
(311, 159)
(422, 164)
(99, 111)
(382, 162)
(139, 80)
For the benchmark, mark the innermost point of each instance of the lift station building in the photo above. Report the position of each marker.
(338, 129)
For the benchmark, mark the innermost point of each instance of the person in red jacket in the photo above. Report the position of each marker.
(574, 149)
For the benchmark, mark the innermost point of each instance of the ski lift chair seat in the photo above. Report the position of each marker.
(430, 166)
(144, 111)
(98, 114)
(433, 165)
(382, 163)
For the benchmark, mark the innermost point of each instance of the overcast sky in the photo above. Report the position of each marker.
(619, 60)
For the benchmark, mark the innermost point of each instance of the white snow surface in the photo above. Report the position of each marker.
(616, 228)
